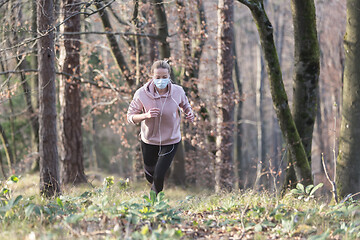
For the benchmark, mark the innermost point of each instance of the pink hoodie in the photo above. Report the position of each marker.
(165, 129)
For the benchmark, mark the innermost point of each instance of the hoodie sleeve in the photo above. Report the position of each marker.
(184, 104)
(135, 107)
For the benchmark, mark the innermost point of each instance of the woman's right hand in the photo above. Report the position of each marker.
(153, 112)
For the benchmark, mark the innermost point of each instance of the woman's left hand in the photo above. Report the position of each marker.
(190, 116)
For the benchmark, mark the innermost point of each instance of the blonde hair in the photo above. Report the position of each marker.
(160, 64)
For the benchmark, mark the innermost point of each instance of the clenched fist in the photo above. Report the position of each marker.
(153, 113)
(190, 116)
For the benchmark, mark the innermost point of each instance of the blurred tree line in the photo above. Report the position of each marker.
(264, 79)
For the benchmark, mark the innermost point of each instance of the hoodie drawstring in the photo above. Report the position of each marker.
(162, 105)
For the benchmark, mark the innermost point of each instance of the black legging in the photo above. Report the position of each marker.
(157, 163)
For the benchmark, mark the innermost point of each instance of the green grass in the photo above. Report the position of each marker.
(115, 209)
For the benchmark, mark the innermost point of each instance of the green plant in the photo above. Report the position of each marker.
(307, 192)
(108, 181)
(7, 201)
(154, 209)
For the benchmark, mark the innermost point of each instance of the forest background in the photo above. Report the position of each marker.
(119, 40)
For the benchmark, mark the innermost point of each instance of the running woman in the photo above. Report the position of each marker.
(156, 105)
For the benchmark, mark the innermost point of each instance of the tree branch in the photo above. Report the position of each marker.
(41, 35)
(3, 2)
(333, 184)
(135, 12)
(278, 93)
(69, 75)
(121, 21)
(114, 33)
(115, 49)
(101, 104)
(245, 2)
(109, 83)
(349, 196)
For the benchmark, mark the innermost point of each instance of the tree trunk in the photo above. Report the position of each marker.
(49, 171)
(225, 93)
(12, 119)
(186, 45)
(348, 162)
(115, 49)
(306, 71)
(190, 71)
(278, 93)
(22, 64)
(162, 29)
(34, 120)
(7, 149)
(277, 142)
(14, 9)
(35, 84)
(260, 181)
(95, 142)
(165, 53)
(238, 132)
(70, 101)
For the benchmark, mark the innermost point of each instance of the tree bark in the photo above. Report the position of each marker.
(225, 91)
(70, 100)
(161, 29)
(277, 142)
(49, 171)
(306, 71)
(348, 162)
(278, 93)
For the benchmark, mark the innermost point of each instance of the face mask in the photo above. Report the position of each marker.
(161, 83)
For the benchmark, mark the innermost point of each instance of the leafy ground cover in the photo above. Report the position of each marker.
(117, 209)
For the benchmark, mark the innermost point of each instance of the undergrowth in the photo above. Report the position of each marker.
(116, 209)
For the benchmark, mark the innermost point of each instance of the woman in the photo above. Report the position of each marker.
(156, 105)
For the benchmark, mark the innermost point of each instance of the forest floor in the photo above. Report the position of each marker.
(117, 209)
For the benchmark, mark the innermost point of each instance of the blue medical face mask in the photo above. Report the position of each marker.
(161, 83)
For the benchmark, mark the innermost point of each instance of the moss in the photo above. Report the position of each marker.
(279, 95)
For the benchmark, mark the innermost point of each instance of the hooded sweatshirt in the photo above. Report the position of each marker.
(164, 129)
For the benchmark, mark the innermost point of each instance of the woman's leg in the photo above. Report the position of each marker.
(165, 158)
(150, 155)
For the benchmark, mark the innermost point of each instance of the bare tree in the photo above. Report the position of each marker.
(348, 162)
(191, 54)
(35, 85)
(7, 150)
(70, 100)
(260, 85)
(306, 72)
(23, 64)
(161, 28)
(278, 93)
(114, 46)
(238, 132)
(49, 171)
(225, 91)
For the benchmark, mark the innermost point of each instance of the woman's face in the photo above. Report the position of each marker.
(161, 73)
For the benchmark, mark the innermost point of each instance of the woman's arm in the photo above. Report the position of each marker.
(189, 115)
(153, 112)
(185, 105)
